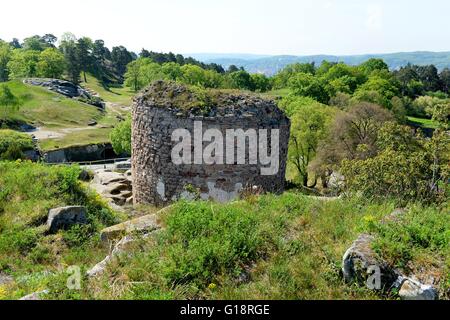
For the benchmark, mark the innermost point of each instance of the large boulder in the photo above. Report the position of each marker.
(360, 261)
(65, 217)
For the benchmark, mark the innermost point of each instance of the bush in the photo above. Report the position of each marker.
(407, 167)
(121, 137)
(13, 144)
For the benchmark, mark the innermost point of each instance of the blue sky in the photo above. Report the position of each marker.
(298, 27)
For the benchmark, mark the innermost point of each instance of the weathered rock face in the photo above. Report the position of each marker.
(166, 107)
(360, 261)
(114, 186)
(65, 217)
(67, 89)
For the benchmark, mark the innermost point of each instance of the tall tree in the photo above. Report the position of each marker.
(309, 125)
(121, 57)
(69, 48)
(84, 51)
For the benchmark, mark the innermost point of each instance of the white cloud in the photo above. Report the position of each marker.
(374, 21)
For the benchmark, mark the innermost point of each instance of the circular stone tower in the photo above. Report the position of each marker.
(211, 144)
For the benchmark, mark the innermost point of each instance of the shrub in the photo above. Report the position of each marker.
(121, 137)
(14, 143)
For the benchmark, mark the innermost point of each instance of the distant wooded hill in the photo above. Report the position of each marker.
(270, 65)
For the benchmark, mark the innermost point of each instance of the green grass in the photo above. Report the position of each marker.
(423, 122)
(263, 247)
(268, 247)
(53, 112)
(277, 93)
(32, 257)
(118, 95)
(43, 108)
(10, 137)
(77, 138)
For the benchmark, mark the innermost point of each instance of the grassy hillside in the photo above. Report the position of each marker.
(27, 252)
(117, 95)
(260, 247)
(65, 122)
(43, 108)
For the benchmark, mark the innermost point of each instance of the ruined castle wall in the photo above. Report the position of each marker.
(157, 180)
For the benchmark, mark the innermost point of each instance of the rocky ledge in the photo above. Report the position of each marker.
(67, 89)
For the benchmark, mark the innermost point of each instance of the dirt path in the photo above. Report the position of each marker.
(45, 134)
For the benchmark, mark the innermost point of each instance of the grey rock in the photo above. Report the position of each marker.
(413, 290)
(35, 296)
(5, 279)
(65, 217)
(67, 89)
(359, 259)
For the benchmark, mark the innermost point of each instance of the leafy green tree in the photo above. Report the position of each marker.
(445, 80)
(422, 105)
(33, 43)
(5, 57)
(385, 91)
(8, 102)
(308, 127)
(195, 75)
(343, 78)
(307, 85)
(260, 82)
(15, 44)
(172, 70)
(232, 68)
(23, 63)
(241, 80)
(120, 58)
(51, 63)
(121, 137)
(352, 135)
(135, 76)
(372, 65)
(281, 79)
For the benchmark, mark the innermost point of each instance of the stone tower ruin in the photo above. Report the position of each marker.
(162, 174)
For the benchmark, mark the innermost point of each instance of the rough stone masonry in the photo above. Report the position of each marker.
(165, 107)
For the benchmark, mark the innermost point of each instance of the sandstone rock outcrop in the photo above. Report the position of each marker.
(114, 186)
(67, 89)
(140, 225)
